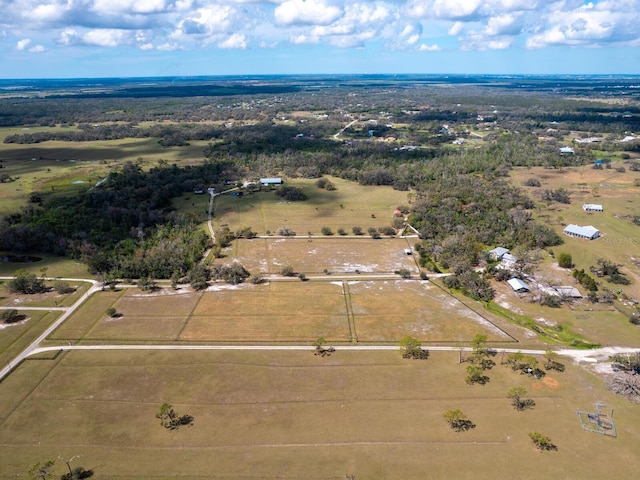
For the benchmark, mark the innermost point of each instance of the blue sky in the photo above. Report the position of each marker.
(115, 38)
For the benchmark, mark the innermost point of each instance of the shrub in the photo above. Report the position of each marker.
(458, 421)
(326, 231)
(111, 312)
(357, 231)
(532, 182)
(565, 260)
(542, 442)
(232, 274)
(287, 271)
(9, 316)
(341, 231)
(286, 232)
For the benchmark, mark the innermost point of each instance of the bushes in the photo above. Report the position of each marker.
(291, 194)
(565, 260)
(27, 283)
(232, 274)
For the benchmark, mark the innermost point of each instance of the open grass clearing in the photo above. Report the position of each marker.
(349, 205)
(56, 267)
(314, 256)
(390, 310)
(46, 299)
(295, 415)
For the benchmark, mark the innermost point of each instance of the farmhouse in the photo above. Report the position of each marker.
(592, 207)
(266, 182)
(589, 232)
(518, 285)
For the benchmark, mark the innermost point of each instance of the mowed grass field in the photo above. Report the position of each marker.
(314, 256)
(369, 311)
(349, 205)
(616, 192)
(293, 415)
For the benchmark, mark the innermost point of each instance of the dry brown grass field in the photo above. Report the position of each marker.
(293, 415)
(289, 311)
(390, 310)
(313, 256)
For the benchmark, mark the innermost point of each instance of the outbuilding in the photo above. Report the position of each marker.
(588, 233)
(265, 182)
(592, 207)
(498, 252)
(518, 285)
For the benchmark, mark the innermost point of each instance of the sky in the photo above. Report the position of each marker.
(125, 38)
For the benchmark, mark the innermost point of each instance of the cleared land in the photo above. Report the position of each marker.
(313, 256)
(380, 311)
(348, 206)
(295, 415)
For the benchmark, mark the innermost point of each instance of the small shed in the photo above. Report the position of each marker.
(592, 207)
(518, 285)
(568, 292)
(567, 151)
(588, 233)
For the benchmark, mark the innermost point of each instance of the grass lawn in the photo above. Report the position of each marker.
(295, 415)
(349, 205)
(47, 299)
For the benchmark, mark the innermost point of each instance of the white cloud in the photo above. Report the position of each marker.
(116, 7)
(37, 49)
(22, 44)
(306, 12)
(102, 37)
(237, 40)
(456, 28)
(428, 48)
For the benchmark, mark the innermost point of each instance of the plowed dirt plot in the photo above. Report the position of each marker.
(292, 415)
(335, 254)
(390, 310)
(270, 312)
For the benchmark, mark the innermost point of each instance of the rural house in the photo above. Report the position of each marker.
(589, 232)
(592, 207)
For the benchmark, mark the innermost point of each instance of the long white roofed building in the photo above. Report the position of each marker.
(589, 232)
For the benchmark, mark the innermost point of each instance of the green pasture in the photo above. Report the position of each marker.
(293, 415)
(315, 255)
(56, 267)
(349, 205)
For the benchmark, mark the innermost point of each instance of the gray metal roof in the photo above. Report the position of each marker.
(588, 232)
(518, 284)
